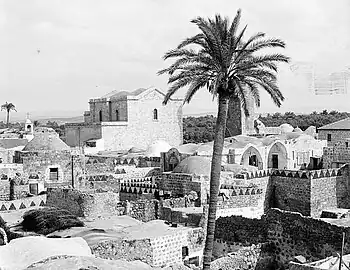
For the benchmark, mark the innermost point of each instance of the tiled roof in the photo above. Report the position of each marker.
(339, 125)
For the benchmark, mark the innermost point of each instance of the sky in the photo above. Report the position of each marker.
(57, 54)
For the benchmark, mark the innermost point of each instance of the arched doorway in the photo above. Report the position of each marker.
(278, 157)
(252, 157)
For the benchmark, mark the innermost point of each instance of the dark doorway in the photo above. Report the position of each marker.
(275, 161)
(253, 160)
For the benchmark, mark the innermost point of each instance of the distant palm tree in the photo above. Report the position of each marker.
(228, 66)
(8, 107)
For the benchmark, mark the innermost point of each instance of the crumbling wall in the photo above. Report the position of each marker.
(240, 229)
(128, 250)
(292, 234)
(84, 204)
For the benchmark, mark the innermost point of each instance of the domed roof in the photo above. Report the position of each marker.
(46, 142)
(188, 148)
(194, 165)
(134, 150)
(285, 128)
(311, 130)
(297, 130)
(28, 121)
(44, 130)
(156, 148)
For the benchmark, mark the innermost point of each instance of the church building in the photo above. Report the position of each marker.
(121, 120)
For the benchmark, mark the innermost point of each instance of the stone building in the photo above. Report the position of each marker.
(46, 162)
(335, 132)
(121, 120)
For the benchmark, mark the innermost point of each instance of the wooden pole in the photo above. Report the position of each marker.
(342, 250)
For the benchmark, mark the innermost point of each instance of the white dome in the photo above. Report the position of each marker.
(28, 121)
(285, 128)
(157, 147)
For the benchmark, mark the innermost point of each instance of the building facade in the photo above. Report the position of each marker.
(122, 120)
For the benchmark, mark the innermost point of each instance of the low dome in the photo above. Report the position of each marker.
(46, 142)
(134, 150)
(156, 148)
(194, 165)
(188, 148)
(44, 130)
(285, 128)
(297, 130)
(311, 130)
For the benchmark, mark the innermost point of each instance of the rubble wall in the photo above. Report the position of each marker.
(292, 234)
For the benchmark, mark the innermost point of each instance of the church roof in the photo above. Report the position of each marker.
(46, 142)
(119, 94)
(343, 124)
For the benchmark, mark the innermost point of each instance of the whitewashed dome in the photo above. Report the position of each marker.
(286, 128)
(157, 147)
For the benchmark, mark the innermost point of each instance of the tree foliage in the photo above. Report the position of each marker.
(201, 129)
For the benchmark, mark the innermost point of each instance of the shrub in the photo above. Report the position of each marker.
(48, 220)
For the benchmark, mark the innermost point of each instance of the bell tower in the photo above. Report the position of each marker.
(29, 129)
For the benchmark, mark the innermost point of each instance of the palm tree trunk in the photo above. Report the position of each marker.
(8, 118)
(215, 179)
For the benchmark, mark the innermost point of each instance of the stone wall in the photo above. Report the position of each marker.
(292, 194)
(292, 234)
(336, 136)
(84, 204)
(180, 184)
(240, 229)
(144, 210)
(20, 191)
(336, 155)
(129, 250)
(76, 134)
(309, 192)
(241, 197)
(36, 165)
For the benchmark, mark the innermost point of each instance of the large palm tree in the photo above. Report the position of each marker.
(8, 107)
(219, 59)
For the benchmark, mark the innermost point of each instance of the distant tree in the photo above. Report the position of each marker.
(8, 107)
(36, 123)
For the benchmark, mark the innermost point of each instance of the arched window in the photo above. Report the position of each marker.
(116, 115)
(100, 116)
(155, 114)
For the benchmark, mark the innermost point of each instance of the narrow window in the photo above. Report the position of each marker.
(329, 137)
(346, 144)
(117, 115)
(53, 174)
(100, 115)
(155, 114)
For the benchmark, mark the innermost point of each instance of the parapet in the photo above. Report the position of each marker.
(308, 174)
(257, 174)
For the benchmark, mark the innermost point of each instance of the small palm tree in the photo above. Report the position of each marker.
(222, 61)
(8, 107)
